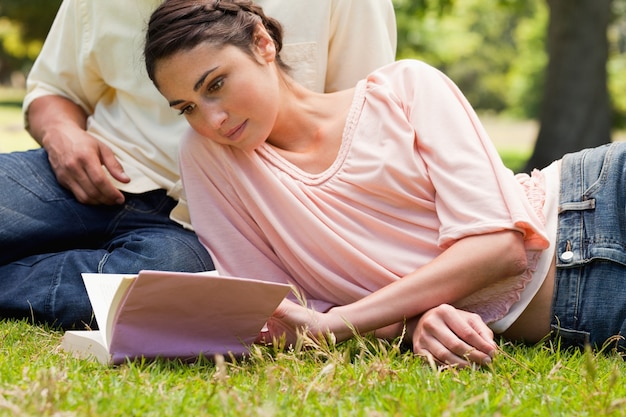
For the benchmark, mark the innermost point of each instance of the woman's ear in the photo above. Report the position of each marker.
(264, 44)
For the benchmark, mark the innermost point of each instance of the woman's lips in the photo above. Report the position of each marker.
(236, 132)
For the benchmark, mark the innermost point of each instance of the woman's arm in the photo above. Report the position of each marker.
(465, 267)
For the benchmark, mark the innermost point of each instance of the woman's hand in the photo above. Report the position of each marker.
(291, 319)
(453, 337)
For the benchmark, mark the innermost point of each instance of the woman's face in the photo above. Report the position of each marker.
(225, 94)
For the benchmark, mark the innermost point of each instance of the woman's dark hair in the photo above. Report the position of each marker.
(179, 25)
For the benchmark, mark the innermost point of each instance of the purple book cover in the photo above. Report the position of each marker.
(183, 315)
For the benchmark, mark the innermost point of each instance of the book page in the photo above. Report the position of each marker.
(86, 344)
(105, 292)
(183, 315)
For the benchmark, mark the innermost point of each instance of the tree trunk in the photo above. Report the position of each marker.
(575, 112)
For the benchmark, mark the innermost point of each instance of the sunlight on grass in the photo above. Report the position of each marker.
(13, 136)
(361, 377)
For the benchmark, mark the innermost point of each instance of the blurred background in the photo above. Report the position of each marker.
(546, 76)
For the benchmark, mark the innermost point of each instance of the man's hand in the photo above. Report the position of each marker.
(79, 162)
(453, 337)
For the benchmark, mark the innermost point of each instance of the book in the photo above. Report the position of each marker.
(173, 315)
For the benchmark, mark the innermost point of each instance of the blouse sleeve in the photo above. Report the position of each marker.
(474, 192)
(223, 220)
(219, 216)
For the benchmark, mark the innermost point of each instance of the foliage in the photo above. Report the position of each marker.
(526, 73)
(495, 49)
(478, 43)
(418, 8)
(362, 377)
(16, 55)
(617, 87)
(23, 27)
(617, 63)
(33, 16)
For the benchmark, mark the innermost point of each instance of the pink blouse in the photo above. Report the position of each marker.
(415, 172)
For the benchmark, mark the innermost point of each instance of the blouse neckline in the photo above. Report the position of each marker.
(269, 154)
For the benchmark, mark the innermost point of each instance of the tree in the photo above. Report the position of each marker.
(575, 111)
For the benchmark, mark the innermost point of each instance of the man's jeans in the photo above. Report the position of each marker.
(47, 239)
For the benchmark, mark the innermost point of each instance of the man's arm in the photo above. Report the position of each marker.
(63, 86)
(50, 112)
(363, 38)
(76, 157)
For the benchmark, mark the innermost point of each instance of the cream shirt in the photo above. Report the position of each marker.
(93, 56)
(415, 172)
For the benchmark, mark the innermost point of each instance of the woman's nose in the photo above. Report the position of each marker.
(215, 116)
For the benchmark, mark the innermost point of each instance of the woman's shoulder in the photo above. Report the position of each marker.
(405, 73)
(403, 79)
(404, 68)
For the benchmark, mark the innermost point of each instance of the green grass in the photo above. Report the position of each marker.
(515, 159)
(362, 377)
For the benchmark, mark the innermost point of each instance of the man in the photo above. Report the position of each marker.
(103, 193)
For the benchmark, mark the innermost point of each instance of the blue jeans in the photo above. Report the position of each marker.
(48, 238)
(589, 304)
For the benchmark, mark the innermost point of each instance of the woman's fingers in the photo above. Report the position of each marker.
(453, 337)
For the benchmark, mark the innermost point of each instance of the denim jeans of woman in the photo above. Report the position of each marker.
(48, 238)
(589, 302)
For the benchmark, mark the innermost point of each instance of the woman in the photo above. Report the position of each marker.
(381, 202)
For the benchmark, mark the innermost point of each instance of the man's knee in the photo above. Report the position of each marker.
(167, 250)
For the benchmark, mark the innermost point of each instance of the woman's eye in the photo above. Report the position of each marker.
(187, 109)
(216, 86)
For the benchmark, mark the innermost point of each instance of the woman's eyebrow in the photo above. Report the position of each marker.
(196, 86)
(200, 81)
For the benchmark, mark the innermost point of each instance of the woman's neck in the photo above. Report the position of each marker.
(309, 128)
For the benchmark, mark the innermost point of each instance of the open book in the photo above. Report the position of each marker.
(157, 314)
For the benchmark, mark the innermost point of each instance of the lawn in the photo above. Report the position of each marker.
(13, 137)
(361, 377)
